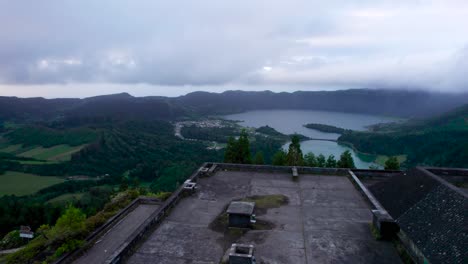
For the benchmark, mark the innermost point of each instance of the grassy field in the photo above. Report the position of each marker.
(10, 148)
(18, 183)
(37, 162)
(64, 198)
(381, 159)
(55, 153)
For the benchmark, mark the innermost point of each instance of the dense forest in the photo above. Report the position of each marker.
(325, 128)
(145, 149)
(129, 152)
(439, 141)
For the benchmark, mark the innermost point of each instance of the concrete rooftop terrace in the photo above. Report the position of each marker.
(325, 221)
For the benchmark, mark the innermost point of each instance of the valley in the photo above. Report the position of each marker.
(85, 158)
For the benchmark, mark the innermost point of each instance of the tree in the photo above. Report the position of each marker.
(243, 145)
(310, 160)
(231, 151)
(279, 159)
(259, 159)
(73, 219)
(294, 157)
(331, 162)
(321, 161)
(238, 151)
(346, 160)
(392, 163)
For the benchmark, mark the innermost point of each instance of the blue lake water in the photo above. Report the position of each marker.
(292, 121)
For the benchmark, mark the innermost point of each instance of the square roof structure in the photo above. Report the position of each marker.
(241, 208)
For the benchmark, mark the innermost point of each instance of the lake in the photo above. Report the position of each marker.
(292, 121)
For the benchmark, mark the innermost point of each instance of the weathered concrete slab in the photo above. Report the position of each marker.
(331, 249)
(115, 237)
(292, 193)
(288, 246)
(333, 198)
(180, 242)
(325, 221)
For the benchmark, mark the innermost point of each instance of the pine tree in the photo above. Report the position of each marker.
(294, 157)
(331, 162)
(346, 160)
(243, 147)
(279, 159)
(231, 151)
(321, 161)
(258, 159)
(310, 160)
(392, 163)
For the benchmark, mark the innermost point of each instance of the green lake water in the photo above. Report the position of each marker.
(292, 121)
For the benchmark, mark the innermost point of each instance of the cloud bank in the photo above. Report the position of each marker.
(298, 44)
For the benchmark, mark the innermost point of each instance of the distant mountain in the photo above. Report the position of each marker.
(124, 106)
(110, 107)
(383, 102)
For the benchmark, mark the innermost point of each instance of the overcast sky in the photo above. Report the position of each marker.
(62, 48)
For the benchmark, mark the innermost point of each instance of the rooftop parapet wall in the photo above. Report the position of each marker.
(120, 254)
(376, 174)
(286, 169)
(454, 176)
(93, 237)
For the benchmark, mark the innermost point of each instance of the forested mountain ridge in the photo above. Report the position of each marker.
(114, 107)
(381, 102)
(124, 106)
(437, 141)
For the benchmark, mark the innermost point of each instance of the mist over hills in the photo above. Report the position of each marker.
(401, 103)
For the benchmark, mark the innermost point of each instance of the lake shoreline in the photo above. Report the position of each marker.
(292, 121)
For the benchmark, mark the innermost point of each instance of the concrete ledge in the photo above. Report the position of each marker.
(153, 220)
(285, 169)
(69, 257)
(387, 226)
(375, 174)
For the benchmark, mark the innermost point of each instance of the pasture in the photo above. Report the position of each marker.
(55, 153)
(18, 183)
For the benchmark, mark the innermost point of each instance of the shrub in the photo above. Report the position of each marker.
(11, 240)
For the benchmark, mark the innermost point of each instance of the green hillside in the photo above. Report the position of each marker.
(438, 141)
(17, 183)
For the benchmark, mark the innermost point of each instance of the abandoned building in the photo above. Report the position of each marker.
(303, 215)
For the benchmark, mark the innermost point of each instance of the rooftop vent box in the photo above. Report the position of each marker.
(295, 174)
(241, 214)
(190, 186)
(241, 254)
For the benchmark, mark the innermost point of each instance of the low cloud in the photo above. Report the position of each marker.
(295, 44)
